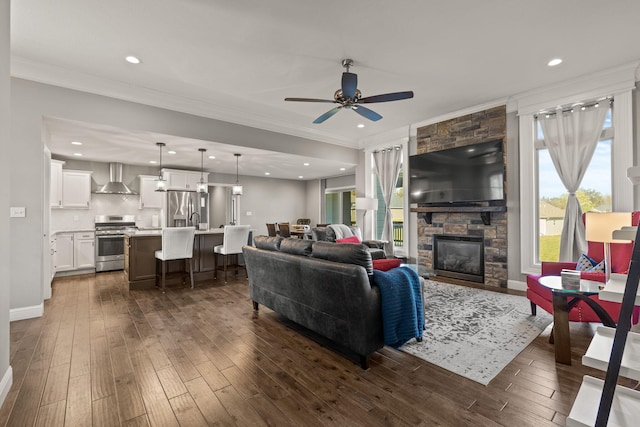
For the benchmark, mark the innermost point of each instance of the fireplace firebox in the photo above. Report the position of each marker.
(459, 257)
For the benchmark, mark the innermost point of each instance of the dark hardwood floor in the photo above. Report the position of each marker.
(104, 356)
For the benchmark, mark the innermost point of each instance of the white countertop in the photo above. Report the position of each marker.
(158, 232)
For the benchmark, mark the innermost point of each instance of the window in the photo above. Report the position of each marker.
(340, 207)
(594, 194)
(397, 211)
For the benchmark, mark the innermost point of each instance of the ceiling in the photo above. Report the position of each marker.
(237, 61)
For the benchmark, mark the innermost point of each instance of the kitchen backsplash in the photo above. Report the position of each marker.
(101, 204)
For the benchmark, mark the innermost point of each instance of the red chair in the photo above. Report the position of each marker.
(540, 296)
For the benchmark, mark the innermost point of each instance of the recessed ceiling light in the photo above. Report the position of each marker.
(300, 176)
(171, 152)
(305, 164)
(267, 173)
(152, 162)
(132, 59)
(554, 62)
(212, 157)
(360, 125)
(76, 143)
(77, 154)
(343, 169)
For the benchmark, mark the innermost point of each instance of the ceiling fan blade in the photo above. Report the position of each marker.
(326, 115)
(349, 84)
(396, 96)
(309, 100)
(366, 113)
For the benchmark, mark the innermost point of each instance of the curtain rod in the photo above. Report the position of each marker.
(582, 106)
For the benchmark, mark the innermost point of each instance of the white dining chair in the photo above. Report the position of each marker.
(235, 237)
(177, 243)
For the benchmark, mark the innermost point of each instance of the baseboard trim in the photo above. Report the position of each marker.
(26, 312)
(5, 384)
(516, 285)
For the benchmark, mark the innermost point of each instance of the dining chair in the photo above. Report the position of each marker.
(235, 237)
(271, 229)
(284, 229)
(177, 243)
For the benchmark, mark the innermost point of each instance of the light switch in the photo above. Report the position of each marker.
(249, 213)
(18, 212)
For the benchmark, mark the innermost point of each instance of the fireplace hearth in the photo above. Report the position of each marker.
(459, 257)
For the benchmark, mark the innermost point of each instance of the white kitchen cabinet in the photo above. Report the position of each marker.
(84, 250)
(55, 193)
(149, 197)
(76, 189)
(182, 180)
(64, 252)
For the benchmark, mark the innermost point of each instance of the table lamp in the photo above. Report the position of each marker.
(366, 204)
(600, 228)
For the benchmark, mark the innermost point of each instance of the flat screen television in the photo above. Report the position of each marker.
(461, 175)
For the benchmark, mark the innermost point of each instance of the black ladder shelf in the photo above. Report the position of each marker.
(609, 388)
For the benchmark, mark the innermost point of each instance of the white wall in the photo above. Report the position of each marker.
(268, 200)
(31, 101)
(5, 161)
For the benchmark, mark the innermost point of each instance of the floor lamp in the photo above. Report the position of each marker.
(600, 228)
(366, 204)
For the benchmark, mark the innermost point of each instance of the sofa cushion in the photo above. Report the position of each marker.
(268, 243)
(347, 254)
(319, 234)
(351, 239)
(386, 264)
(296, 246)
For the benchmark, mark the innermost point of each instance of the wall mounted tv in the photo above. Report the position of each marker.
(462, 175)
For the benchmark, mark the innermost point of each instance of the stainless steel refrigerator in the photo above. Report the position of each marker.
(186, 208)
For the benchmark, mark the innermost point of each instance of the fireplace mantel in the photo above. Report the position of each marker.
(484, 211)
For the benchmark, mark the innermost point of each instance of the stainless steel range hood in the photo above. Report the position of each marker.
(115, 184)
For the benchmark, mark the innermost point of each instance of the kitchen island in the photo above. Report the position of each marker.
(140, 247)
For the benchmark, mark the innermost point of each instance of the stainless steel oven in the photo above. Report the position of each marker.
(110, 240)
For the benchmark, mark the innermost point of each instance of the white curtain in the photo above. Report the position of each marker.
(387, 166)
(571, 138)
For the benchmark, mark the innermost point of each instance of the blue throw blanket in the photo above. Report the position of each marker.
(402, 312)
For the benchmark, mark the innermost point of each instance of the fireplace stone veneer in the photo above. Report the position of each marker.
(481, 126)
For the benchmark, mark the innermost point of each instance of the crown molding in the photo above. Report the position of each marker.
(72, 79)
(590, 86)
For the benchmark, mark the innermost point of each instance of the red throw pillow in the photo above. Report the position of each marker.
(386, 264)
(352, 239)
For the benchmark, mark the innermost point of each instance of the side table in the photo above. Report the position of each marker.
(561, 306)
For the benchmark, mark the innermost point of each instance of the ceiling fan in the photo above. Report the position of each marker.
(349, 96)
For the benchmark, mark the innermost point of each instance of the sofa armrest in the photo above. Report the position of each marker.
(375, 244)
(555, 268)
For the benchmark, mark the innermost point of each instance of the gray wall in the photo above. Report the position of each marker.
(31, 101)
(268, 200)
(5, 162)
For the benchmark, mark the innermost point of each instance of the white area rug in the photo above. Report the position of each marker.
(473, 332)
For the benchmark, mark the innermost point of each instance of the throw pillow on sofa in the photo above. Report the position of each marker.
(351, 239)
(386, 264)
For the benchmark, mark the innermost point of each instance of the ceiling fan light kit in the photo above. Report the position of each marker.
(350, 97)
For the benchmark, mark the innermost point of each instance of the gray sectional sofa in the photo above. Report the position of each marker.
(323, 286)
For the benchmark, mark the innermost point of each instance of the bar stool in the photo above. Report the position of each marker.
(177, 243)
(235, 237)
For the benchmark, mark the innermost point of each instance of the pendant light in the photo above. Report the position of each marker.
(202, 186)
(237, 188)
(161, 184)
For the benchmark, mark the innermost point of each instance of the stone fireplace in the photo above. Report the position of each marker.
(460, 257)
(485, 223)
